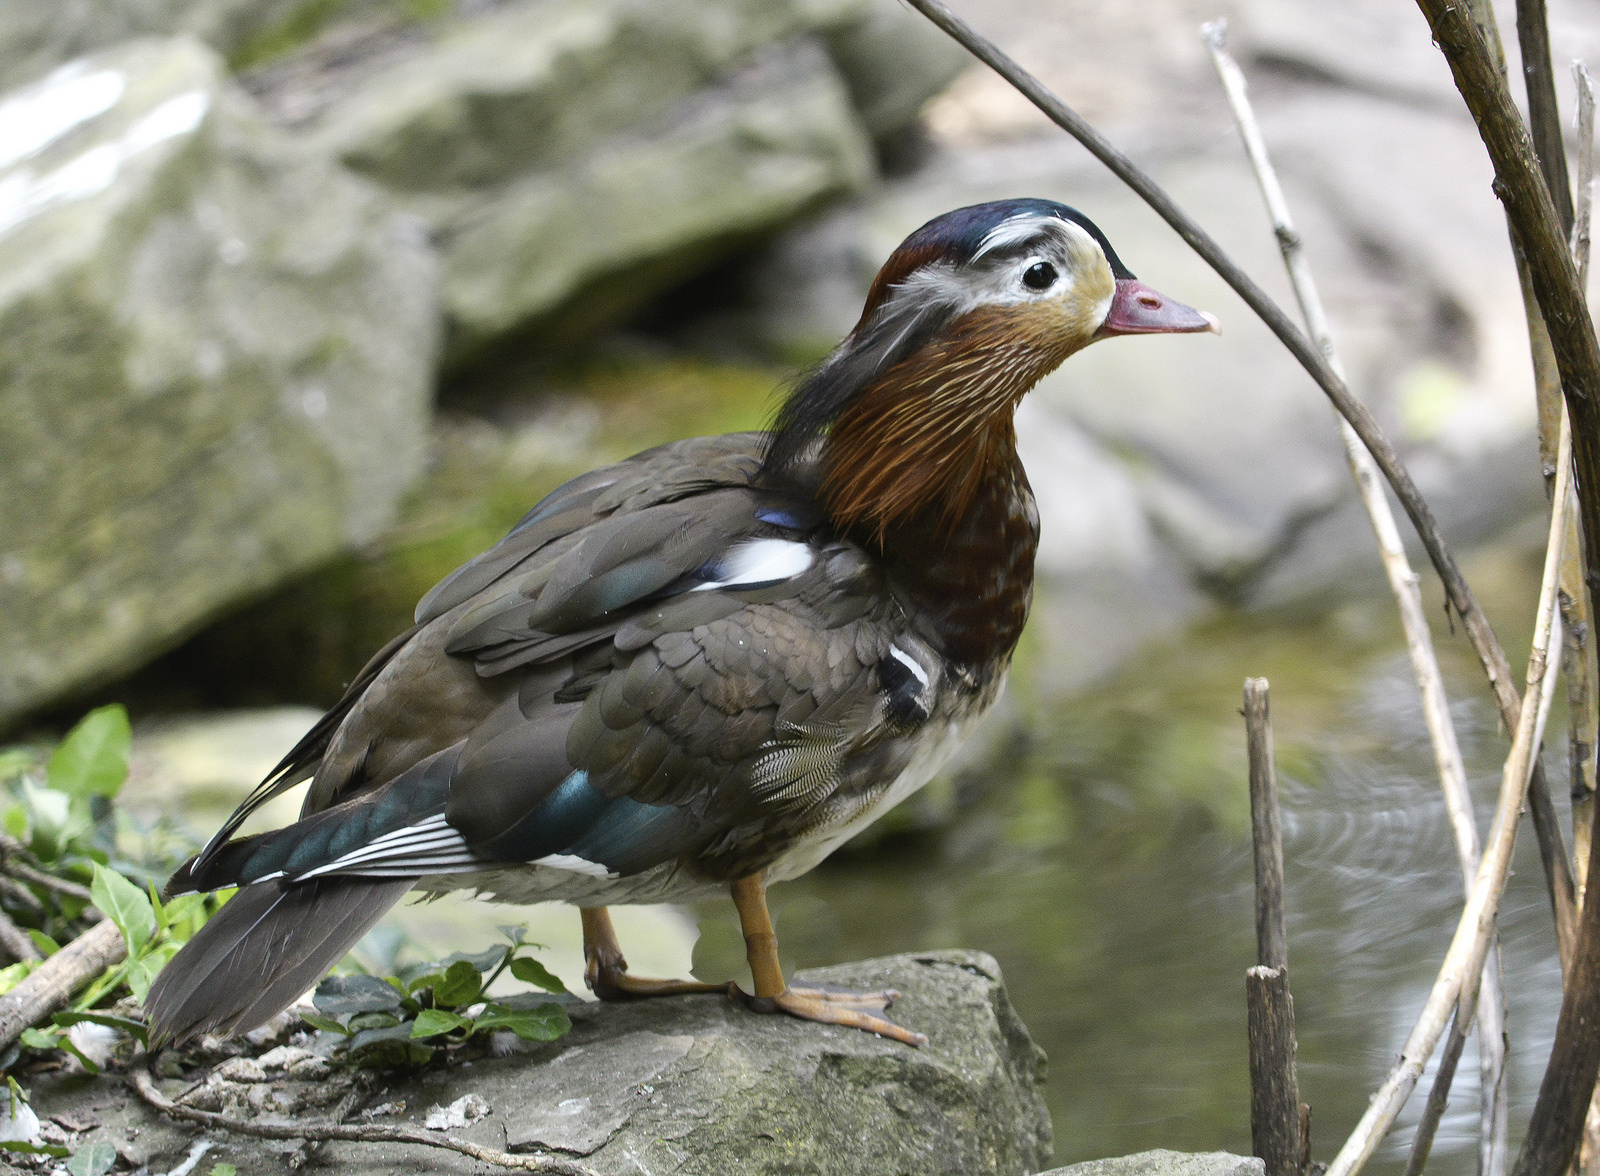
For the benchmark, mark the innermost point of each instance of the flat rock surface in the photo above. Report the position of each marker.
(1165, 1163)
(692, 1085)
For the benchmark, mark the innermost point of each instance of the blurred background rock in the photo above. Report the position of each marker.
(304, 302)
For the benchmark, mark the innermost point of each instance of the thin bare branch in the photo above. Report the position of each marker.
(1469, 947)
(145, 1086)
(1585, 189)
(1533, 37)
(1439, 1096)
(1408, 598)
(1266, 824)
(15, 942)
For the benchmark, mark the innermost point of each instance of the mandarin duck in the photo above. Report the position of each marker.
(704, 667)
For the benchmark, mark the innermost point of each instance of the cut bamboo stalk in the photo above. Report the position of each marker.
(1279, 1125)
(1275, 1117)
(1266, 827)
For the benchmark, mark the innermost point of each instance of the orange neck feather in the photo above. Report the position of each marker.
(930, 431)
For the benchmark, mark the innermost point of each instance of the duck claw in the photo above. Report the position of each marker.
(833, 1008)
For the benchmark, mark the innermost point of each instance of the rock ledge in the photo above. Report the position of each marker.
(690, 1085)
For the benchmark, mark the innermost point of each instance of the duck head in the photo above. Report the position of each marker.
(914, 407)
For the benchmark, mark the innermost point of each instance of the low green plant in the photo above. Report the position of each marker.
(404, 1019)
(67, 846)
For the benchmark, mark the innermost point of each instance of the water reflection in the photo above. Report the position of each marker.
(1111, 876)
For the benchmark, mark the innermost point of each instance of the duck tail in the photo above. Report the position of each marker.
(266, 946)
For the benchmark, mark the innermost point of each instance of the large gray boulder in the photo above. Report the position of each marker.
(34, 38)
(215, 358)
(592, 151)
(690, 1085)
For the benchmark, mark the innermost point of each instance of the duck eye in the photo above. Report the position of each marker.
(1040, 276)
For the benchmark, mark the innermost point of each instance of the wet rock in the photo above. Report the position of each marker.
(894, 61)
(568, 252)
(1165, 1163)
(34, 38)
(698, 1085)
(214, 361)
(594, 153)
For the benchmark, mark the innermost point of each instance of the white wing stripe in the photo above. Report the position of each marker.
(910, 663)
(430, 846)
(760, 561)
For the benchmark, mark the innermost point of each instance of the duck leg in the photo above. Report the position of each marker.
(606, 971)
(810, 1004)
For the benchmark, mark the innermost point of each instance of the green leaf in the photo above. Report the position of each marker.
(50, 819)
(427, 978)
(46, 945)
(326, 1024)
(368, 1038)
(184, 916)
(94, 1160)
(461, 985)
(16, 760)
(488, 958)
(125, 905)
(363, 1021)
(39, 1039)
(142, 972)
(223, 1170)
(432, 1022)
(13, 975)
(531, 971)
(545, 1023)
(338, 995)
(111, 1020)
(93, 759)
(16, 822)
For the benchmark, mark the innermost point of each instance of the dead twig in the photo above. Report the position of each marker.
(1575, 604)
(1266, 825)
(14, 940)
(1569, 1078)
(1576, 610)
(145, 1086)
(1278, 1123)
(1439, 1096)
(307, 1150)
(26, 873)
(1463, 963)
(1403, 584)
(1533, 38)
(53, 983)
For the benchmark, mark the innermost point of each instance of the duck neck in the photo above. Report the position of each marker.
(962, 563)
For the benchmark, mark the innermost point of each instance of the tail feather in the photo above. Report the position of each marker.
(262, 950)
